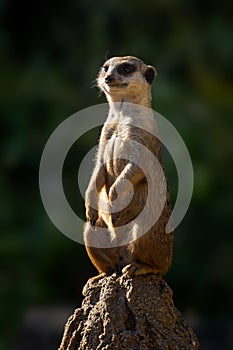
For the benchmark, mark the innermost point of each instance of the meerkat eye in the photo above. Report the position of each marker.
(105, 68)
(126, 68)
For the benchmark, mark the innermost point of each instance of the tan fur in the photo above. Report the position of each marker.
(152, 252)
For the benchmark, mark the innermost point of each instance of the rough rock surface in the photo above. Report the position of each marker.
(128, 313)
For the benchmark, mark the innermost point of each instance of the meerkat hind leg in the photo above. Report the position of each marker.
(137, 269)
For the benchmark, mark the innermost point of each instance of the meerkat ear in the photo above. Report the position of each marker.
(150, 74)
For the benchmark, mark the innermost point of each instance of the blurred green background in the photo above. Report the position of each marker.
(50, 55)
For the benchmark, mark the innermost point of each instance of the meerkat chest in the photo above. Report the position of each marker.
(122, 135)
(114, 144)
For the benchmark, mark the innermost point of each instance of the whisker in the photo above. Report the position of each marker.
(100, 93)
(94, 83)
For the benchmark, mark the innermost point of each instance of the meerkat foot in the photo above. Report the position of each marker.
(93, 280)
(97, 278)
(137, 269)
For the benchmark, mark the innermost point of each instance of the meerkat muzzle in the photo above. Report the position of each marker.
(109, 79)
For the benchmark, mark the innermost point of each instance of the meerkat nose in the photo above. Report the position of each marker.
(109, 79)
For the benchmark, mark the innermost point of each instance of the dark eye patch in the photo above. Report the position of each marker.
(105, 68)
(126, 68)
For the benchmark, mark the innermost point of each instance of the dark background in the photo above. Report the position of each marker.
(50, 55)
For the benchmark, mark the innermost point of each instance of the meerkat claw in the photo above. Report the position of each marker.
(129, 270)
(93, 280)
(92, 222)
(137, 269)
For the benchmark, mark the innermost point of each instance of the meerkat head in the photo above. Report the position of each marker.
(126, 79)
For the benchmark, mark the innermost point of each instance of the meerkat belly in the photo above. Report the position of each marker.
(115, 157)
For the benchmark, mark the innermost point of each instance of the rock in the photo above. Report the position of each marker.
(128, 313)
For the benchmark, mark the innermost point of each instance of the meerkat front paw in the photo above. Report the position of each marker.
(120, 194)
(92, 215)
(113, 194)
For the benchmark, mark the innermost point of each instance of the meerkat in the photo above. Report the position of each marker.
(126, 82)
